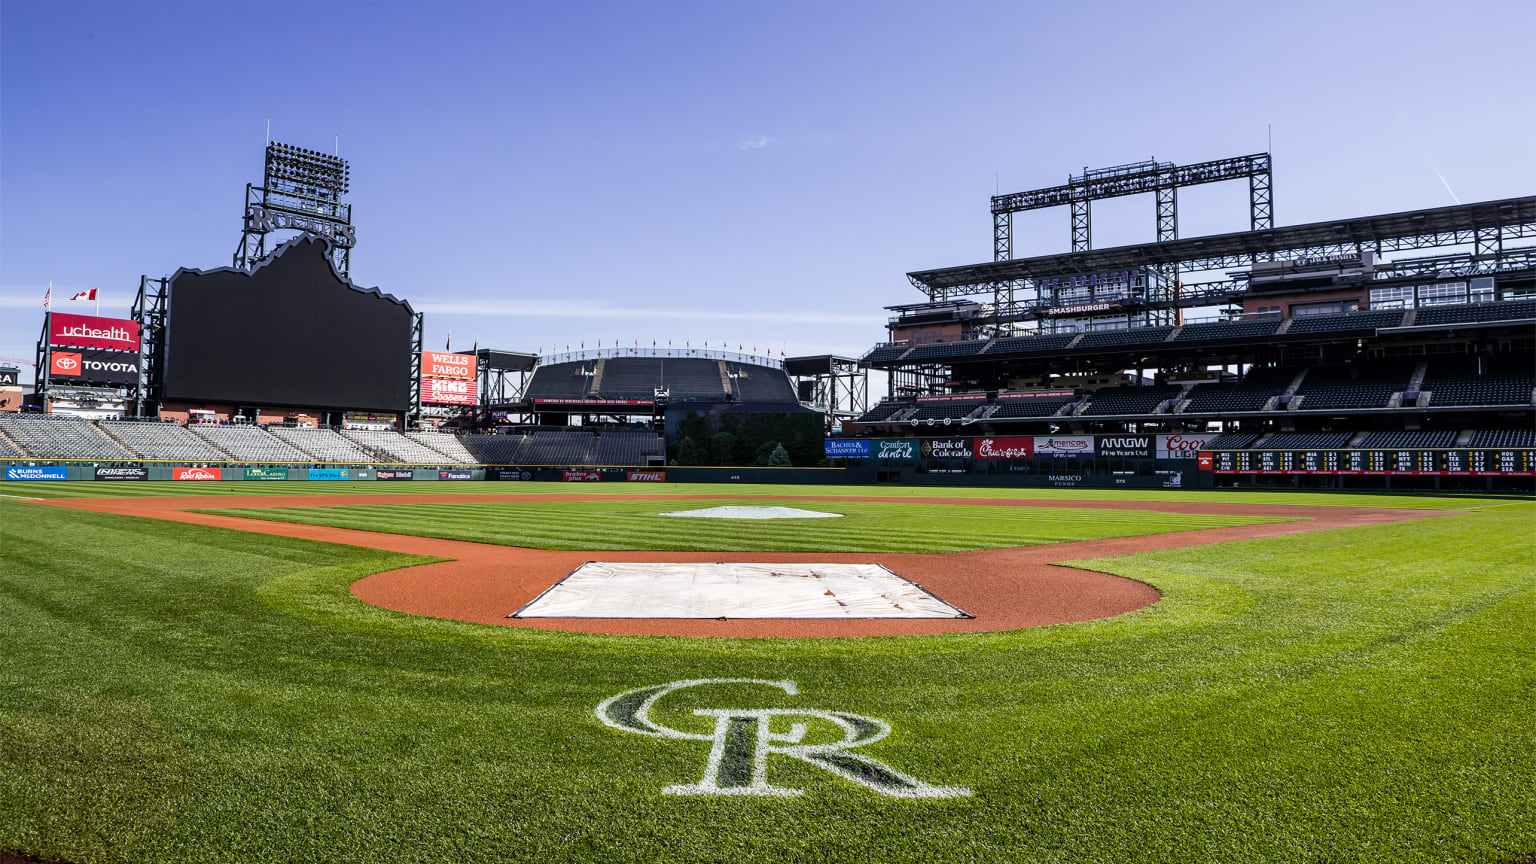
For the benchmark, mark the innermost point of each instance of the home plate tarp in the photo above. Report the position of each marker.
(709, 590)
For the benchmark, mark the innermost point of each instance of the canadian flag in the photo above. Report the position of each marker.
(85, 295)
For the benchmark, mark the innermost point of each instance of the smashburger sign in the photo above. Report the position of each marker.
(88, 331)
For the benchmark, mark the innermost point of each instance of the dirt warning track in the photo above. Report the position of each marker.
(1004, 589)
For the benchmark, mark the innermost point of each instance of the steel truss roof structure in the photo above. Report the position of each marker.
(1486, 226)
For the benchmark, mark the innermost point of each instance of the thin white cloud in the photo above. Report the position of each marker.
(756, 142)
(590, 309)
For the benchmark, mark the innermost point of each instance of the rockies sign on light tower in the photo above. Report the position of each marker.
(300, 191)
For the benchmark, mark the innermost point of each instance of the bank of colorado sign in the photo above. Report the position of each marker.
(87, 331)
(948, 448)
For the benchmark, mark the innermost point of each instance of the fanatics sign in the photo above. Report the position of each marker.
(86, 331)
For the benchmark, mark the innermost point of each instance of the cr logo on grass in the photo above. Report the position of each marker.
(744, 739)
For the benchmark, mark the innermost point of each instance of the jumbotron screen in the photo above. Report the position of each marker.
(289, 334)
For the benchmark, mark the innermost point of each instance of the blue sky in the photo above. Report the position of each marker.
(541, 174)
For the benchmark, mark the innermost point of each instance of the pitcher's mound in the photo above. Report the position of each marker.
(753, 513)
(702, 590)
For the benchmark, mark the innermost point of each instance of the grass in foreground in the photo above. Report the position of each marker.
(863, 527)
(178, 693)
(1459, 501)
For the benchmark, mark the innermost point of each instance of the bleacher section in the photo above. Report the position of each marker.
(884, 353)
(1396, 440)
(1033, 406)
(1223, 330)
(54, 436)
(1354, 321)
(1510, 310)
(946, 410)
(882, 411)
(1504, 438)
(1128, 400)
(1455, 381)
(1258, 387)
(561, 381)
(395, 446)
(448, 445)
(494, 449)
(324, 445)
(1305, 441)
(1231, 441)
(9, 449)
(557, 447)
(940, 350)
(760, 383)
(161, 441)
(1031, 344)
(626, 447)
(1352, 387)
(248, 443)
(1132, 336)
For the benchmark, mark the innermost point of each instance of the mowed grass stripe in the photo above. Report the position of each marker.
(178, 693)
(280, 487)
(863, 527)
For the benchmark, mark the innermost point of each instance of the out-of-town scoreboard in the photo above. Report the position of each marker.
(1515, 462)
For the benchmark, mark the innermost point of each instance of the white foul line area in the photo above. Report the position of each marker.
(720, 590)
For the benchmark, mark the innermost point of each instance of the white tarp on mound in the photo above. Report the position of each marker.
(654, 590)
(753, 513)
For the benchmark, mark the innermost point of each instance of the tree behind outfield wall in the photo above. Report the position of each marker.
(738, 438)
(687, 452)
(779, 458)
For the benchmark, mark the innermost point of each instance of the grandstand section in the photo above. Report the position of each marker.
(447, 445)
(161, 441)
(248, 443)
(323, 445)
(395, 447)
(57, 436)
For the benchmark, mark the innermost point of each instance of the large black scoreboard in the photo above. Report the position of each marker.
(1516, 462)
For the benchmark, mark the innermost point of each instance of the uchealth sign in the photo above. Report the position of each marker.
(1015, 447)
(440, 364)
(1182, 446)
(1130, 446)
(447, 391)
(1064, 445)
(197, 474)
(847, 448)
(87, 331)
(894, 449)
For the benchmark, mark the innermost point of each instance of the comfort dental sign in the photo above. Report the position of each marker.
(86, 331)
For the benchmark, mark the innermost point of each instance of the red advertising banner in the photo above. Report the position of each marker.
(197, 473)
(1005, 448)
(65, 364)
(447, 391)
(647, 476)
(1205, 461)
(87, 331)
(440, 364)
(582, 476)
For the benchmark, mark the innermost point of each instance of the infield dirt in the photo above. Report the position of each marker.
(1005, 589)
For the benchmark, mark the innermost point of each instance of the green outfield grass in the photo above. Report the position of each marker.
(863, 526)
(281, 487)
(173, 692)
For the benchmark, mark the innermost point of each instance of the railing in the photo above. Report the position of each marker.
(663, 353)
